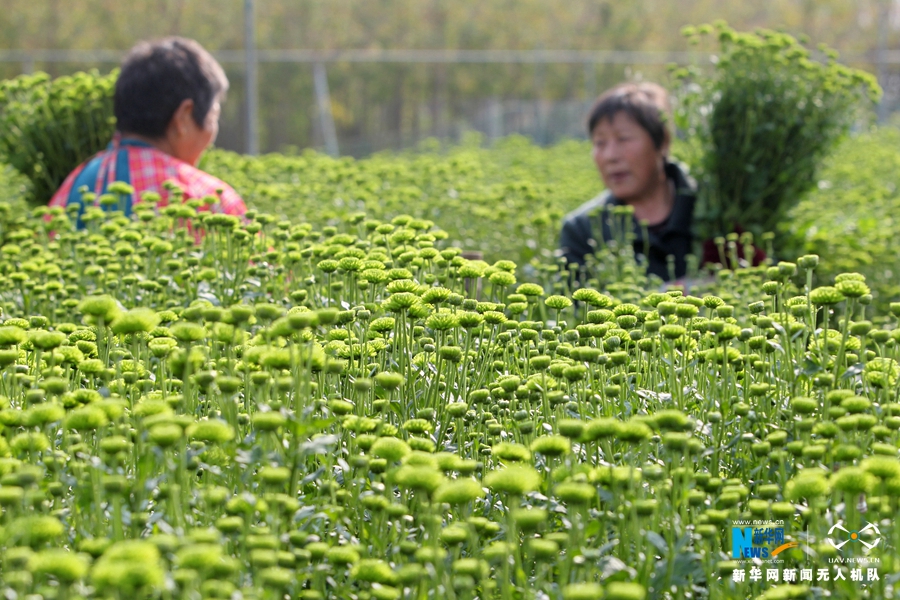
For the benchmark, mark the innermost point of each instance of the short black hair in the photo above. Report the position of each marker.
(646, 103)
(157, 76)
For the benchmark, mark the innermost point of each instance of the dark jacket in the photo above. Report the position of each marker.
(674, 237)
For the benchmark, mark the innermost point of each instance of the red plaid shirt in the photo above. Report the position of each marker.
(148, 169)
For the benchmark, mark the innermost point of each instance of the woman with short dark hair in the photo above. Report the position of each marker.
(167, 104)
(628, 129)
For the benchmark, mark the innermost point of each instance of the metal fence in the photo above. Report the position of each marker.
(538, 117)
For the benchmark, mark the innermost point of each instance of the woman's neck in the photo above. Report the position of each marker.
(161, 143)
(656, 205)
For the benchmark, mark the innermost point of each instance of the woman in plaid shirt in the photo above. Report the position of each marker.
(167, 104)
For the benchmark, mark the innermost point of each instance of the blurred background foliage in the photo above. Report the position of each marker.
(378, 105)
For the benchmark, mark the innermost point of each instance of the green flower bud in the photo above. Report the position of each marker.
(511, 452)
(34, 531)
(86, 418)
(390, 448)
(474, 567)
(268, 421)
(582, 591)
(853, 480)
(29, 442)
(135, 321)
(516, 480)
(213, 431)
(46, 340)
(808, 483)
(882, 467)
(551, 445)
(388, 380)
(557, 302)
(67, 567)
(808, 262)
(342, 555)
(375, 571)
(104, 307)
(275, 475)
(424, 479)
(672, 420)
(458, 492)
(12, 336)
(826, 295)
(575, 493)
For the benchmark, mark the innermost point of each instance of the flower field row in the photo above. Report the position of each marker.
(506, 201)
(198, 407)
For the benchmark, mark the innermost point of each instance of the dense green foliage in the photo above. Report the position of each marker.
(49, 126)
(851, 217)
(357, 411)
(14, 188)
(506, 201)
(763, 119)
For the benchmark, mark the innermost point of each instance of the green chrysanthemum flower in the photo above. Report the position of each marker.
(213, 431)
(86, 418)
(515, 480)
(67, 567)
(622, 590)
(529, 519)
(853, 480)
(389, 380)
(342, 555)
(603, 427)
(552, 445)
(129, 567)
(502, 279)
(672, 420)
(530, 289)
(46, 340)
(808, 483)
(826, 295)
(557, 302)
(12, 336)
(135, 321)
(582, 591)
(459, 492)
(510, 451)
(425, 479)
(804, 406)
(575, 493)
(390, 448)
(34, 531)
(104, 307)
(375, 571)
(882, 467)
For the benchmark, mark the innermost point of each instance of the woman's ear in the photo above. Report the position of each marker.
(183, 118)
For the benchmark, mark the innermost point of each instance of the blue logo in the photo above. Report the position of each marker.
(758, 542)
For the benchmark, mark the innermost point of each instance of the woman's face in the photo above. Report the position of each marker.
(631, 166)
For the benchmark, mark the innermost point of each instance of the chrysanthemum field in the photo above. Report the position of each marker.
(195, 406)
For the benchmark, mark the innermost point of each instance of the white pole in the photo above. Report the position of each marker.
(251, 84)
(326, 119)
